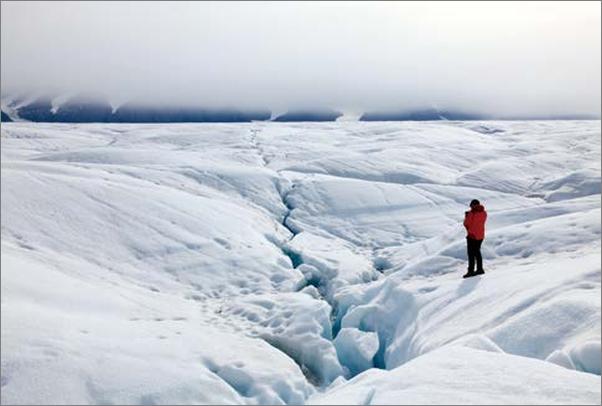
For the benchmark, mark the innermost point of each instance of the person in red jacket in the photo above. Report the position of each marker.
(474, 222)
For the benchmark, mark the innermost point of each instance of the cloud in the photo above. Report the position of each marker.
(507, 58)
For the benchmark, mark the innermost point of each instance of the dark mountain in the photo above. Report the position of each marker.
(433, 114)
(4, 117)
(84, 109)
(135, 113)
(78, 109)
(39, 110)
(309, 115)
(420, 115)
(93, 108)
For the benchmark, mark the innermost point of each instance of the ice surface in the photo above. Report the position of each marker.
(459, 375)
(356, 349)
(291, 263)
(297, 324)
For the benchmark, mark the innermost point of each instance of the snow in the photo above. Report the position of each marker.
(459, 375)
(297, 324)
(82, 340)
(350, 116)
(291, 263)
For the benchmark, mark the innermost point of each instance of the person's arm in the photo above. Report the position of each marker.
(466, 220)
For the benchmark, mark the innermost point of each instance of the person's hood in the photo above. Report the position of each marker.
(478, 207)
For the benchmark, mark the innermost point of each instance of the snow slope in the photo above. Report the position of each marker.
(290, 263)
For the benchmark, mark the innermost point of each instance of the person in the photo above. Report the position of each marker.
(474, 222)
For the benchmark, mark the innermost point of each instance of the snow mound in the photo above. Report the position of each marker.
(583, 356)
(460, 375)
(586, 356)
(577, 184)
(365, 213)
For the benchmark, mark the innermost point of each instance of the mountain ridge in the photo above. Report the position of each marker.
(83, 108)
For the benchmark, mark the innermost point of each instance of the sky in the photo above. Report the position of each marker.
(502, 58)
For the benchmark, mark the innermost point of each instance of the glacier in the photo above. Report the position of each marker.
(299, 263)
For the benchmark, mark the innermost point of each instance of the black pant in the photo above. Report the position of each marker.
(474, 252)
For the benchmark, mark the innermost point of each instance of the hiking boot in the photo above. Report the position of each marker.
(469, 274)
(479, 272)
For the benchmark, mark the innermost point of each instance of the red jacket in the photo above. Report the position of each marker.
(474, 221)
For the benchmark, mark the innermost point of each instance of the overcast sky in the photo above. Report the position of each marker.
(506, 58)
